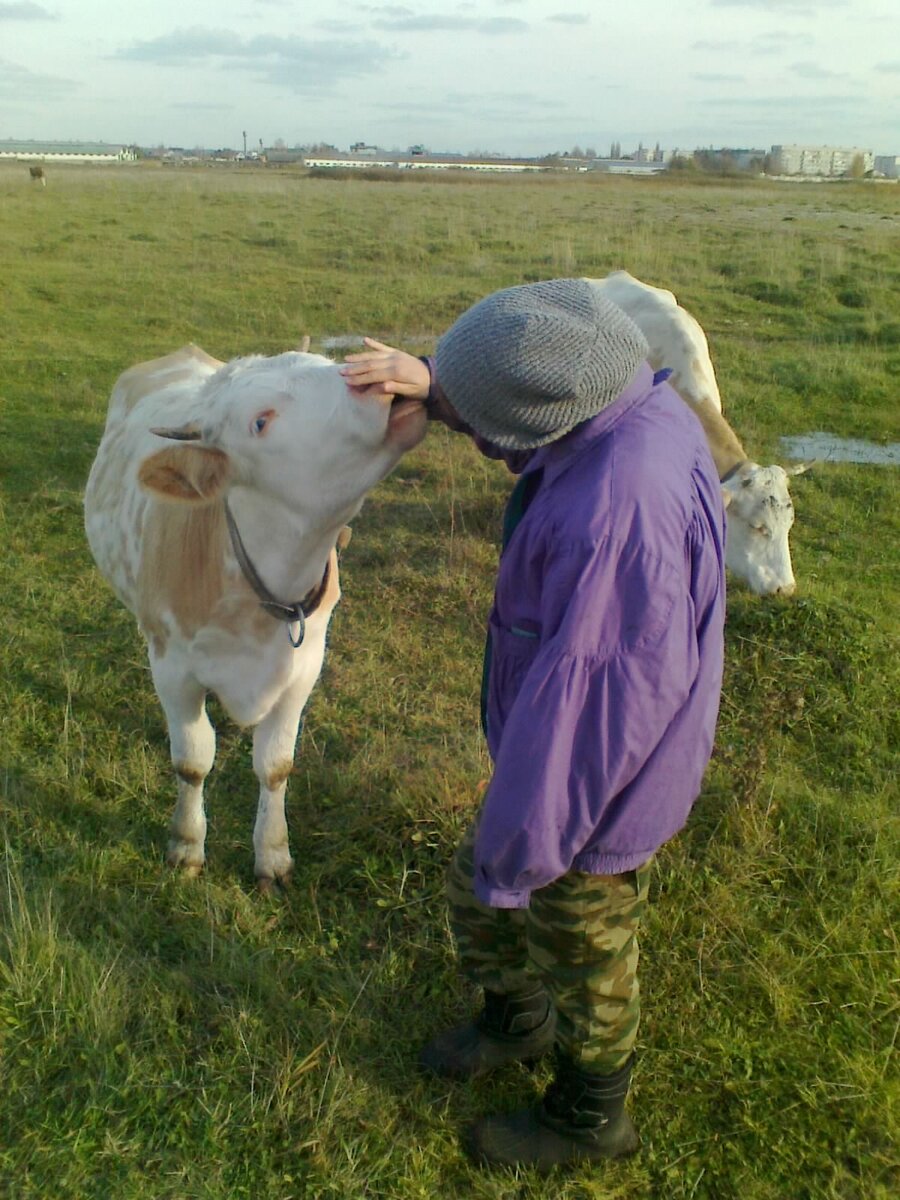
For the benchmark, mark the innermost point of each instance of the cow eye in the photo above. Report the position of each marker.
(260, 422)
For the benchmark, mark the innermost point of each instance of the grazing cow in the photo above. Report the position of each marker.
(37, 173)
(760, 511)
(222, 544)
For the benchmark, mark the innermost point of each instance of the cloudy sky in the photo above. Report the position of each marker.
(510, 76)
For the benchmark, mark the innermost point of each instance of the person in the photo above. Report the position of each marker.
(602, 676)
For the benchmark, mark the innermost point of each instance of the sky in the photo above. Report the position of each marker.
(514, 77)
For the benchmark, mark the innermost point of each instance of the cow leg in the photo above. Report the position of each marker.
(274, 739)
(192, 744)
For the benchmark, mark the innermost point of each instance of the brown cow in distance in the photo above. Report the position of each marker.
(37, 173)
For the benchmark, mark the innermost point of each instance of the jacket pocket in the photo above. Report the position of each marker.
(512, 651)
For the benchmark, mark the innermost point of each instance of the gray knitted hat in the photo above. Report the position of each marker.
(527, 364)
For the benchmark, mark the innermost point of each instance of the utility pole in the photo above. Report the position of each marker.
(245, 143)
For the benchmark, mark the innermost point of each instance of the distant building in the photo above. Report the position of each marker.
(628, 166)
(888, 165)
(351, 164)
(420, 162)
(78, 152)
(825, 161)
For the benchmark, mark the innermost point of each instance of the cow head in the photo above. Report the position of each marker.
(760, 516)
(290, 428)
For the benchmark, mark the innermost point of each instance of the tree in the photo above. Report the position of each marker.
(681, 163)
(857, 168)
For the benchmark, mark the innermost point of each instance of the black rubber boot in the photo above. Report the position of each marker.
(581, 1118)
(509, 1029)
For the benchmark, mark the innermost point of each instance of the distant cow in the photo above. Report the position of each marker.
(222, 543)
(37, 173)
(760, 511)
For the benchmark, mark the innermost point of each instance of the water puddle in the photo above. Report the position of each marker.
(344, 341)
(828, 447)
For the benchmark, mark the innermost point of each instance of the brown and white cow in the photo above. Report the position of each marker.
(760, 510)
(271, 458)
(37, 175)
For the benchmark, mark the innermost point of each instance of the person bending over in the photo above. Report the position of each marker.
(602, 674)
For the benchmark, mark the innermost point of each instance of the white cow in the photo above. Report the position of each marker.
(273, 456)
(760, 511)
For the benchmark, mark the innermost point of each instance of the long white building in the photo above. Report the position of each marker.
(73, 152)
(818, 160)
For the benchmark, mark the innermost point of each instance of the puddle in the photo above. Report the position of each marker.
(345, 341)
(828, 447)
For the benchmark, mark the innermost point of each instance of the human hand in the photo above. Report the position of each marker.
(384, 371)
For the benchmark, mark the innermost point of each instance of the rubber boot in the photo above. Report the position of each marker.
(581, 1118)
(512, 1028)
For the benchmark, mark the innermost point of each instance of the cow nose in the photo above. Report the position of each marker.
(786, 589)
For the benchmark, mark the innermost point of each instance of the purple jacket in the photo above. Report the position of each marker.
(607, 649)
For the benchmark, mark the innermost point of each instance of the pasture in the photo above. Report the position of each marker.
(169, 1038)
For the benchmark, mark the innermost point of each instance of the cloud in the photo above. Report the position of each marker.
(508, 102)
(19, 84)
(762, 44)
(719, 78)
(720, 47)
(301, 64)
(438, 23)
(197, 106)
(788, 102)
(386, 10)
(25, 12)
(787, 8)
(570, 18)
(485, 106)
(888, 68)
(811, 70)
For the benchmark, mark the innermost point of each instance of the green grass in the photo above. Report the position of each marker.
(170, 1038)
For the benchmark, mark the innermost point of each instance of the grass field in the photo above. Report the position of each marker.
(164, 1038)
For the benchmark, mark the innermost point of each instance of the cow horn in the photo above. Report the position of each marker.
(802, 468)
(184, 433)
(304, 344)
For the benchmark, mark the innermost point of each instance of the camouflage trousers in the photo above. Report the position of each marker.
(578, 937)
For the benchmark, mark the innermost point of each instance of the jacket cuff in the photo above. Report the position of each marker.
(495, 897)
(435, 391)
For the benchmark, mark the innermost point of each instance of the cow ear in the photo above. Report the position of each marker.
(194, 474)
(726, 497)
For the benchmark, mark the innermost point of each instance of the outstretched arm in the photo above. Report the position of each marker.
(384, 371)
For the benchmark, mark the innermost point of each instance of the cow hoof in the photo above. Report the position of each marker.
(267, 886)
(273, 867)
(183, 857)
